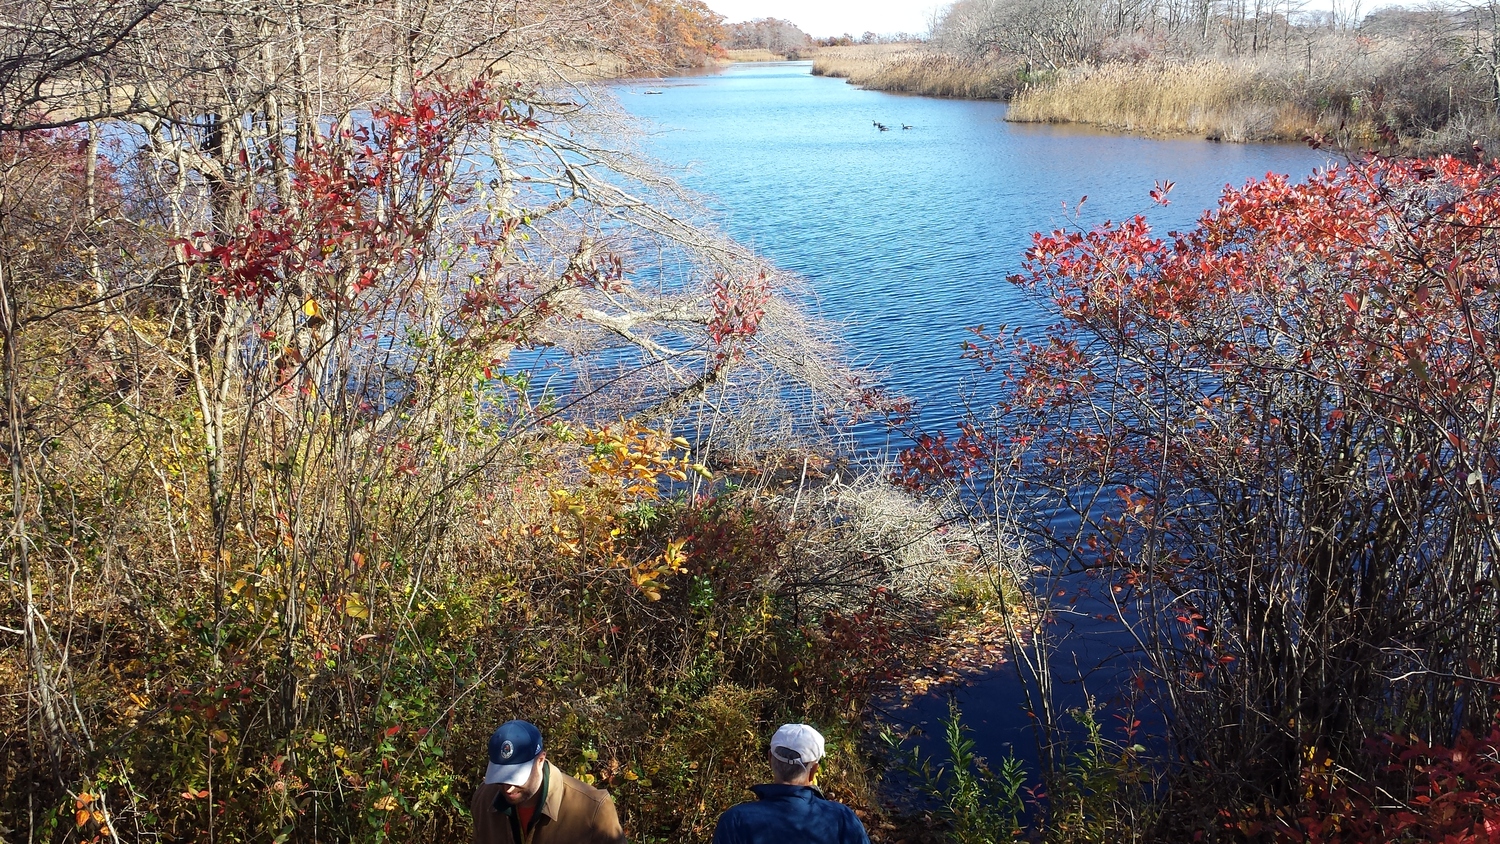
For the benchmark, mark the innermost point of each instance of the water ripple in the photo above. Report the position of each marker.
(907, 236)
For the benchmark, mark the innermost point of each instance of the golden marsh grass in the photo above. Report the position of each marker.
(913, 70)
(1214, 99)
(756, 54)
(1239, 99)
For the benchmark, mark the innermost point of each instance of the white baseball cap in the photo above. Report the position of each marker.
(798, 744)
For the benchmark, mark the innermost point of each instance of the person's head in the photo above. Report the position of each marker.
(516, 761)
(795, 752)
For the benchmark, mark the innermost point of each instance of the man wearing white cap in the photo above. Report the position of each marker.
(526, 800)
(791, 809)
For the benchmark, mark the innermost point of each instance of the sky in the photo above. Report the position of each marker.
(822, 18)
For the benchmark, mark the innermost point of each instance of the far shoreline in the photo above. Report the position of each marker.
(1230, 101)
(1092, 127)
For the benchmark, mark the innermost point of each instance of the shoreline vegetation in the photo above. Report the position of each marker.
(291, 527)
(914, 69)
(295, 517)
(1412, 81)
(760, 54)
(1215, 100)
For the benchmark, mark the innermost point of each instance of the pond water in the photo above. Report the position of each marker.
(906, 237)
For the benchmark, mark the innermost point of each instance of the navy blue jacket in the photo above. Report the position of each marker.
(790, 814)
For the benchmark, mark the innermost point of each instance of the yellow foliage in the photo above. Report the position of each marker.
(354, 606)
(626, 464)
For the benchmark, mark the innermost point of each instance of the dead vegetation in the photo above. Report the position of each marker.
(360, 391)
(1411, 80)
(914, 69)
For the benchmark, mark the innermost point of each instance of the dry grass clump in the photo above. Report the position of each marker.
(944, 76)
(1213, 99)
(1463, 132)
(1389, 93)
(857, 62)
(866, 534)
(755, 54)
(913, 70)
(856, 535)
(1404, 81)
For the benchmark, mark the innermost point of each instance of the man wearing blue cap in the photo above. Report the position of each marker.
(791, 809)
(526, 800)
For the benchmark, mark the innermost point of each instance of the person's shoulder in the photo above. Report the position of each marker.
(739, 817)
(753, 812)
(835, 807)
(845, 807)
(581, 788)
(849, 820)
(740, 809)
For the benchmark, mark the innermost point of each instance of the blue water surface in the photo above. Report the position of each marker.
(907, 235)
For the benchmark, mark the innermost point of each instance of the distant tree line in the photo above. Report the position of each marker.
(1428, 76)
(1055, 33)
(783, 36)
(774, 34)
(869, 37)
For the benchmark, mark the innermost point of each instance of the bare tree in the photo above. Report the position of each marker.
(1050, 33)
(322, 244)
(55, 60)
(778, 36)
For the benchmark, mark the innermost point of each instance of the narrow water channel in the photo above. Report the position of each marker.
(906, 237)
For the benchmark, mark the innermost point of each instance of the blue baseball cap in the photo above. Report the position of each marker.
(514, 746)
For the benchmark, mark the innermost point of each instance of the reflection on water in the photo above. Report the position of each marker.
(907, 236)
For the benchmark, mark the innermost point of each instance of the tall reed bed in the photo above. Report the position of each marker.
(1232, 102)
(913, 70)
(754, 54)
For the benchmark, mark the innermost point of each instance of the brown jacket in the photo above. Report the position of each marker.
(571, 812)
